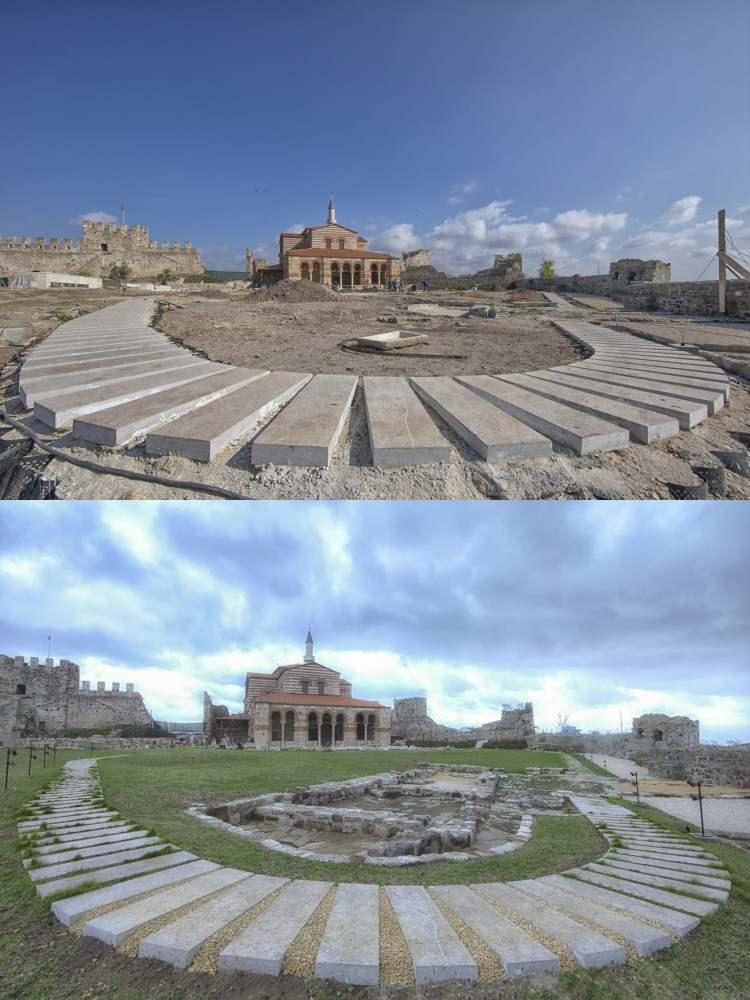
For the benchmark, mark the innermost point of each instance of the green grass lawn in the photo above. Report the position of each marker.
(154, 788)
(591, 766)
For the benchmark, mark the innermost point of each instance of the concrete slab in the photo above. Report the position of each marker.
(643, 426)
(89, 864)
(350, 948)
(125, 874)
(66, 824)
(44, 369)
(85, 833)
(436, 950)
(688, 414)
(520, 954)
(713, 399)
(642, 937)
(660, 374)
(678, 924)
(203, 433)
(579, 431)
(60, 411)
(699, 907)
(492, 433)
(179, 942)
(122, 831)
(642, 878)
(75, 850)
(307, 429)
(401, 431)
(590, 949)
(687, 861)
(677, 873)
(117, 925)
(117, 425)
(261, 946)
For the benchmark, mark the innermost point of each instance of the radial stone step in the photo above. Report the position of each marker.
(644, 426)
(642, 878)
(115, 926)
(177, 861)
(69, 824)
(701, 866)
(644, 938)
(520, 954)
(74, 851)
(669, 377)
(261, 946)
(120, 831)
(591, 950)
(64, 385)
(676, 872)
(491, 433)
(350, 949)
(712, 399)
(436, 951)
(33, 370)
(697, 906)
(678, 924)
(90, 864)
(60, 411)
(202, 434)
(118, 425)
(401, 431)
(307, 430)
(179, 942)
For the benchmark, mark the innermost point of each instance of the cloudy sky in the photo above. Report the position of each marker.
(586, 609)
(580, 131)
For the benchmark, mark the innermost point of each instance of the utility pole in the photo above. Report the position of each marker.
(722, 263)
(49, 646)
(122, 214)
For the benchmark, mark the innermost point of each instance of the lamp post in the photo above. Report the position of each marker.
(699, 799)
(32, 756)
(634, 776)
(45, 752)
(9, 762)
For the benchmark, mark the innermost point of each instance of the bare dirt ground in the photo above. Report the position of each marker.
(261, 332)
(305, 336)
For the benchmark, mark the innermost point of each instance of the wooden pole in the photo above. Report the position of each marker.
(722, 263)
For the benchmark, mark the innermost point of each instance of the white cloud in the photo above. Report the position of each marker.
(92, 217)
(461, 191)
(398, 238)
(683, 210)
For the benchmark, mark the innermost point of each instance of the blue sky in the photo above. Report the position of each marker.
(586, 609)
(581, 131)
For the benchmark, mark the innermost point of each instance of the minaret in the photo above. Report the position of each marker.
(331, 211)
(309, 655)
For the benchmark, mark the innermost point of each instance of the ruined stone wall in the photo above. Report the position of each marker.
(710, 765)
(630, 269)
(47, 697)
(676, 733)
(586, 284)
(416, 258)
(688, 298)
(410, 722)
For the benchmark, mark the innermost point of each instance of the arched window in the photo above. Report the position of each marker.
(326, 731)
(335, 278)
(312, 727)
(338, 735)
(316, 272)
(374, 274)
(346, 276)
(289, 728)
(305, 271)
(276, 727)
(20, 689)
(360, 726)
(370, 728)
(382, 275)
(357, 274)
(658, 736)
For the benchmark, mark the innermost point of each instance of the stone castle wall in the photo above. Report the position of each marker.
(410, 722)
(676, 733)
(630, 269)
(710, 765)
(101, 246)
(416, 258)
(39, 698)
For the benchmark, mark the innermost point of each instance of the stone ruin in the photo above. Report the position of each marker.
(631, 269)
(411, 723)
(416, 258)
(506, 270)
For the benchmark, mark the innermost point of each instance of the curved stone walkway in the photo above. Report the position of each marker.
(112, 379)
(151, 900)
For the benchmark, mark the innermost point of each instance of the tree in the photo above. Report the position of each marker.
(120, 272)
(164, 277)
(547, 270)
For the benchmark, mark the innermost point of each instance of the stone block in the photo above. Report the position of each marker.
(437, 953)
(349, 951)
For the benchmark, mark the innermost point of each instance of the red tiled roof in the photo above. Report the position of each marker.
(330, 252)
(289, 698)
(294, 234)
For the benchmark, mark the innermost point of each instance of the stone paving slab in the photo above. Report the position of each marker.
(401, 431)
(681, 363)
(203, 433)
(591, 950)
(644, 938)
(674, 873)
(699, 907)
(117, 925)
(689, 414)
(670, 377)
(520, 954)
(33, 370)
(491, 432)
(701, 866)
(59, 411)
(579, 431)
(643, 426)
(71, 834)
(436, 951)
(261, 946)
(663, 847)
(350, 948)
(705, 892)
(73, 350)
(59, 824)
(179, 942)
(176, 862)
(76, 851)
(713, 399)
(308, 428)
(678, 924)
(85, 864)
(45, 845)
(117, 425)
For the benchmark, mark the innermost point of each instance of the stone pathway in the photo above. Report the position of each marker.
(112, 380)
(151, 900)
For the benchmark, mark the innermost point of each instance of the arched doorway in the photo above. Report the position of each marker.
(326, 731)
(360, 726)
(346, 276)
(338, 735)
(335, 276)
(305, 271)
(370, 728)
(374, 275)
(289, 728)
(383, 276)
(357, 274)
(312, 727)
(316, 272)
(276, 727)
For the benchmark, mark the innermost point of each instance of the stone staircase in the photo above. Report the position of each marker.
(152, 900)
(111, 379)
